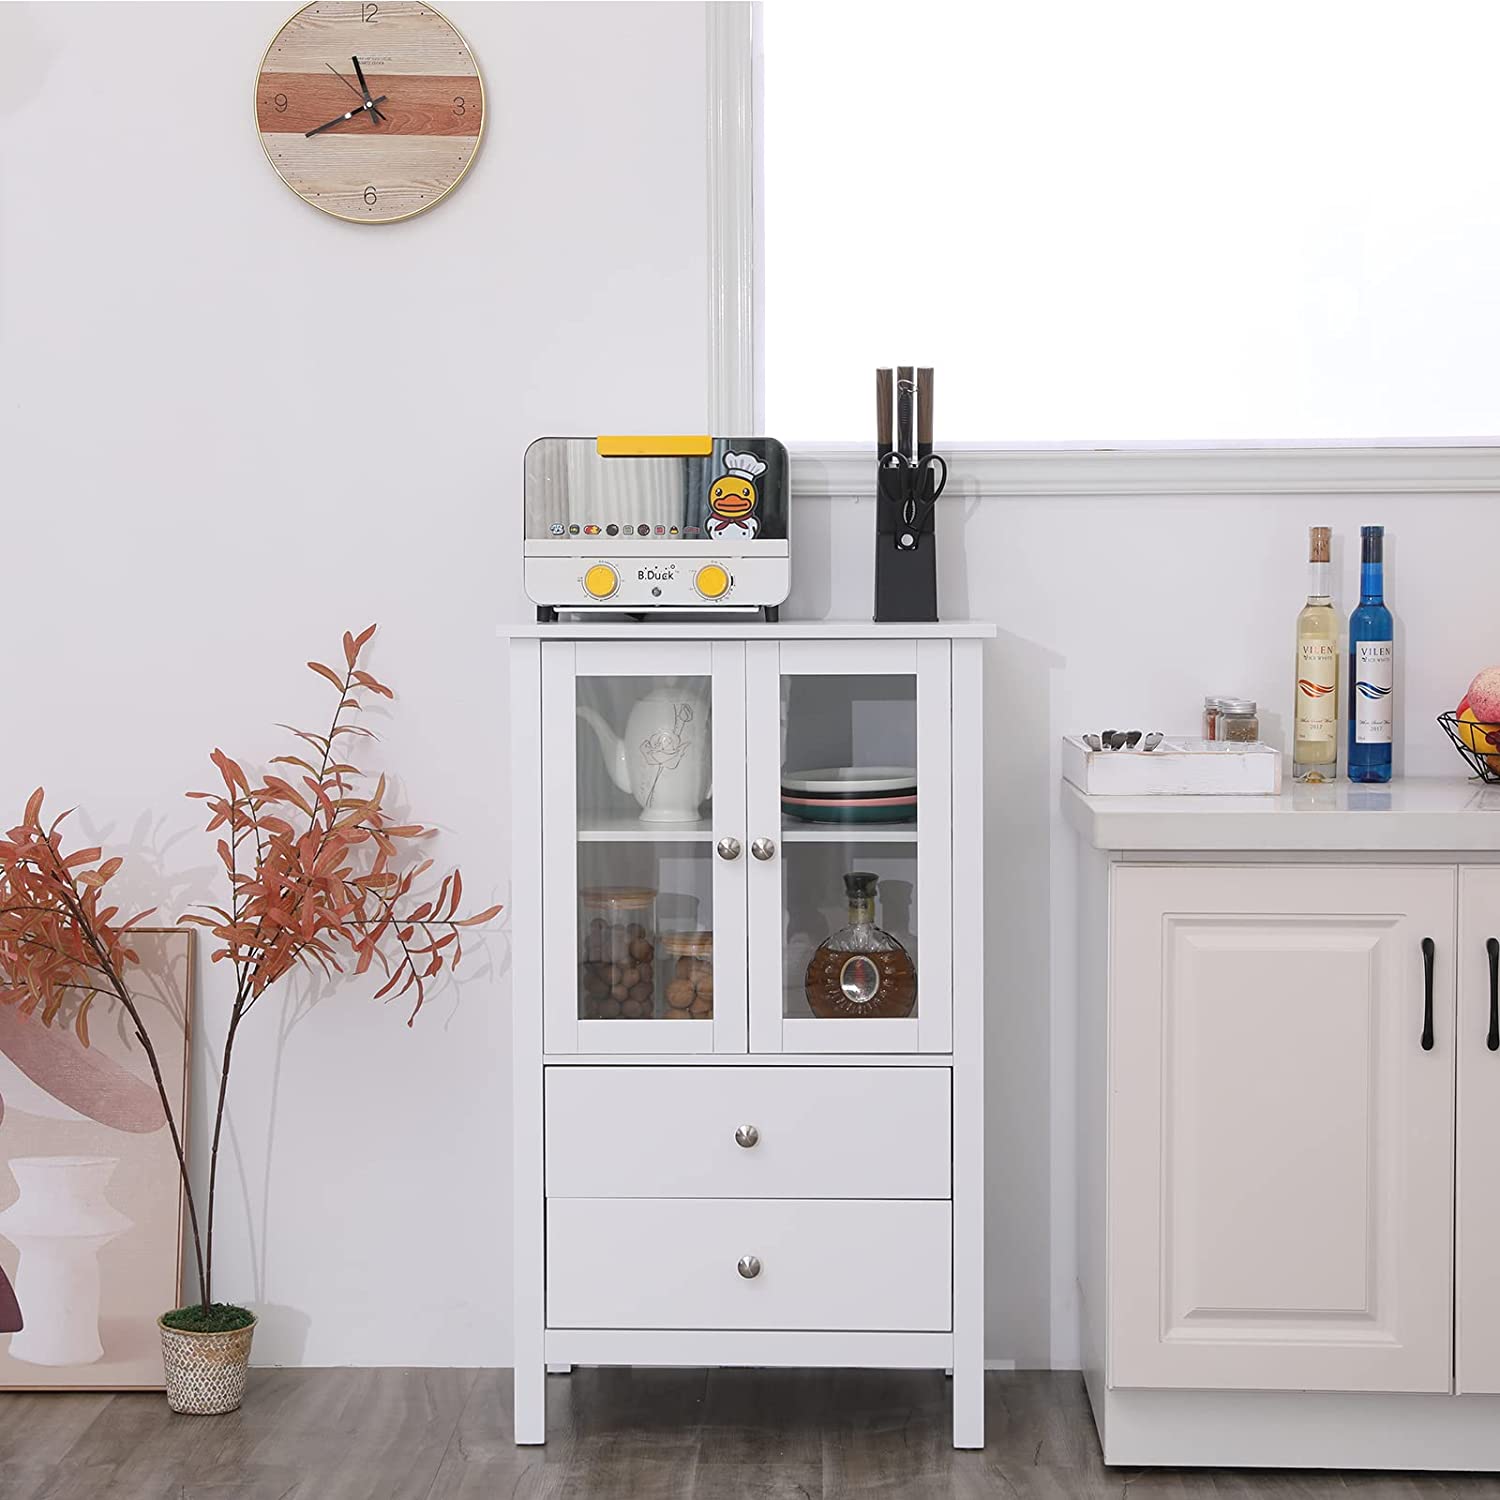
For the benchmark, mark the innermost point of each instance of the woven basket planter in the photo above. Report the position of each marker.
(205, 1371)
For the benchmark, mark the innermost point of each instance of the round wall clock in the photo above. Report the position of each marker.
(370, 110)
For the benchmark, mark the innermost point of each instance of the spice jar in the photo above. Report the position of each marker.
(687, 968)
(1238, 723)
(617, 952)
(1211, 707)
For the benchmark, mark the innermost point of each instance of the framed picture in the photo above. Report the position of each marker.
(91, 1204)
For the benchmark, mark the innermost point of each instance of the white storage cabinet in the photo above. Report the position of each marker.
(1290, 1049)
(741, 1181)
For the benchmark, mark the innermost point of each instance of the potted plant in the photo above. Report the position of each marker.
(320, 876)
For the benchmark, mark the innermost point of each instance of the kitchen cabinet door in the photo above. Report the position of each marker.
(850, 771)
(1478, 1321)
(643, 816)
(1281, 1128)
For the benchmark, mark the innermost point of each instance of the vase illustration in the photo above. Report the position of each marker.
(59, 1224)
(662, 758)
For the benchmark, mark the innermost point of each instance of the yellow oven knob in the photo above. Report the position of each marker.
(601, 581)
(712, 582)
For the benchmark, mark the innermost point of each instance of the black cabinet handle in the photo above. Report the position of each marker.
(1492, 1041)
(1429, 948)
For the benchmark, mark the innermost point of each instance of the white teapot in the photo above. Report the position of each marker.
(662, 759)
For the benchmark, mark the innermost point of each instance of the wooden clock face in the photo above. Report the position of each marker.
(386, 159)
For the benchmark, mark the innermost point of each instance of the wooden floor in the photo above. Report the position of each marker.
(623, 1434)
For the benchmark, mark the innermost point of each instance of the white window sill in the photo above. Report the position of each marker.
(1439, 466)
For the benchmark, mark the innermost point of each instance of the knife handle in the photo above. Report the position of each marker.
(924, 411)
(885, 415)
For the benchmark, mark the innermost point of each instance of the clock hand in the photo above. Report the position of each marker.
(319, 129)
(350, 86)
(360, 74)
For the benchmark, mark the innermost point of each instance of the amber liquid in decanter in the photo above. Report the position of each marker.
(861, 970)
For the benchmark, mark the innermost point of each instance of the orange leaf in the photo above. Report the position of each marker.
(33, 808)
(230, 771)
(350, 649)
(329, 673)
(487, 915)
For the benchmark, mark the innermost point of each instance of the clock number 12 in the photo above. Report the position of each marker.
(367, 12)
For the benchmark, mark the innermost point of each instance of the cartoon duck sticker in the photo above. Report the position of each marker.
(732, 499)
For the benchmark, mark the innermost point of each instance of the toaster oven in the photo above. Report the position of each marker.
(656, 524)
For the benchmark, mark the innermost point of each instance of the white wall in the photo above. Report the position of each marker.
(204, 483)
(1125, 612)
(201, 489)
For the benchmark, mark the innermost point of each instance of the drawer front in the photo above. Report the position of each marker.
(627, 1132)
(674, 1263)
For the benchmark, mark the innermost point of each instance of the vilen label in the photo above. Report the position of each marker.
(1317, 701)
(1373, 662)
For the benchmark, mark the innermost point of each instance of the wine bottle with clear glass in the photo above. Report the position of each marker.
(1372, 660)
(1315, 737)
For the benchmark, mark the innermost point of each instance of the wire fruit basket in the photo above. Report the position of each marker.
(1479, 744)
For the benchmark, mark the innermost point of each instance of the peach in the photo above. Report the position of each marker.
(1484, 696)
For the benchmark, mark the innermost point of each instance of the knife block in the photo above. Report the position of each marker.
(905, 570)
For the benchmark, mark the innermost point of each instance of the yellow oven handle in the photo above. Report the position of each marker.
(628, 446)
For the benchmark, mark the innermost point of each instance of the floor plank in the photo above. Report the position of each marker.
(616, 1433)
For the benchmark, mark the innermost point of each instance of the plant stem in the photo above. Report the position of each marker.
(64, 884)
(245, 993)
(213, 1159)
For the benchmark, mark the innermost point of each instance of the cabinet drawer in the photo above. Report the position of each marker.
(674, 1263)
(626, 1132)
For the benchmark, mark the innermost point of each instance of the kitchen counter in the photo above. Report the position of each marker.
(1416, 814)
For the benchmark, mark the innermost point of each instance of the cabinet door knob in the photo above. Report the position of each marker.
(747, 1136)
(749, 1267)
(763, 849)
(1428, 949)
(1492, 1041)
(728, 848)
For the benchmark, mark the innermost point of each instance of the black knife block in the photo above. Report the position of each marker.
(905, 555)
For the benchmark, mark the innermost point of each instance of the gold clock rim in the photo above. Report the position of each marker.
(484, 120)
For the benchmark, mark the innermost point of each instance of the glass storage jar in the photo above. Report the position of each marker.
(1238, 722)
(687, 975)
(617, 942)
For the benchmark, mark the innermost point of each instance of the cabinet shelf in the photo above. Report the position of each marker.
(623, 828)
(626, 828)
(849, 833)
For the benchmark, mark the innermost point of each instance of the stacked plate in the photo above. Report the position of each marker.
(851, 794)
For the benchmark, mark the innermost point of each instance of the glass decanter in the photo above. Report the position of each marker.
(861, 970)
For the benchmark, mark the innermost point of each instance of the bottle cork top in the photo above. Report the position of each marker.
(1317, 543)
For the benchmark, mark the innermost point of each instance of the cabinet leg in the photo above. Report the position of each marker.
(531, 1403)
(968, 1405)
(559, 1369)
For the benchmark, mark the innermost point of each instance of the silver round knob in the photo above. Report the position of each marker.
(728, 848)
(746, 1136)
(763, 848)
(749, 1267)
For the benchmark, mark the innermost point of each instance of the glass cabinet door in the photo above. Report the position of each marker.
(643, 794)
(850, 820)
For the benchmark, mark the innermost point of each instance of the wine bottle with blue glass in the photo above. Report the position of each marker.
(1372, 660)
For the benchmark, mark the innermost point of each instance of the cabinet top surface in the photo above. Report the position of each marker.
(731, 628)
(1427, 814)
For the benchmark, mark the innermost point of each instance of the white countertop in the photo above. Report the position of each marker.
(748, 627)
(1427, 814)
